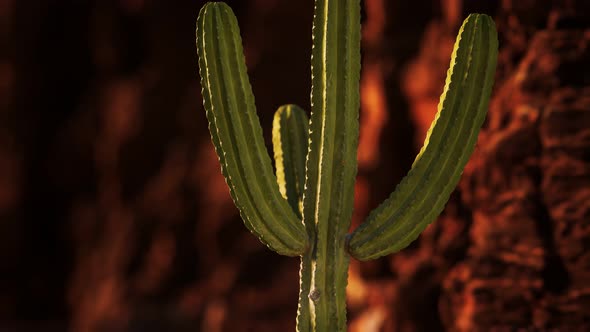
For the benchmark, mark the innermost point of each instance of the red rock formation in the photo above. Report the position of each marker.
(527, 264)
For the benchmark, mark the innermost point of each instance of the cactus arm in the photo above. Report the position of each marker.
(289, 139)
(423, 193)
(237, 135)
(331, 161)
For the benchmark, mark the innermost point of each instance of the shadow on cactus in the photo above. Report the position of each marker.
(306, 208)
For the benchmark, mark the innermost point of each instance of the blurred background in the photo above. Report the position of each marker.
(114, 215)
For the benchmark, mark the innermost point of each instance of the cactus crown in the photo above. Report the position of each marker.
(306, 208)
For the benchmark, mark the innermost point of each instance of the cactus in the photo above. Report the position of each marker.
(306, 208)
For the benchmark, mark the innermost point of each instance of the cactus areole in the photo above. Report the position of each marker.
(305, 209)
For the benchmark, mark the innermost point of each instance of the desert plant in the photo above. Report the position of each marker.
(306, 209)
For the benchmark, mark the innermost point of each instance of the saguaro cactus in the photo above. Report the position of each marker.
(305, 210)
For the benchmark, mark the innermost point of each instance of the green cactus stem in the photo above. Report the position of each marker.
(290, 143)
(237, 135)
(289, 139)
(306, 209)
(331, 161)
(423, 193)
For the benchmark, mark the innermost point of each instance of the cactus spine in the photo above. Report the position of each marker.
(305, 210)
